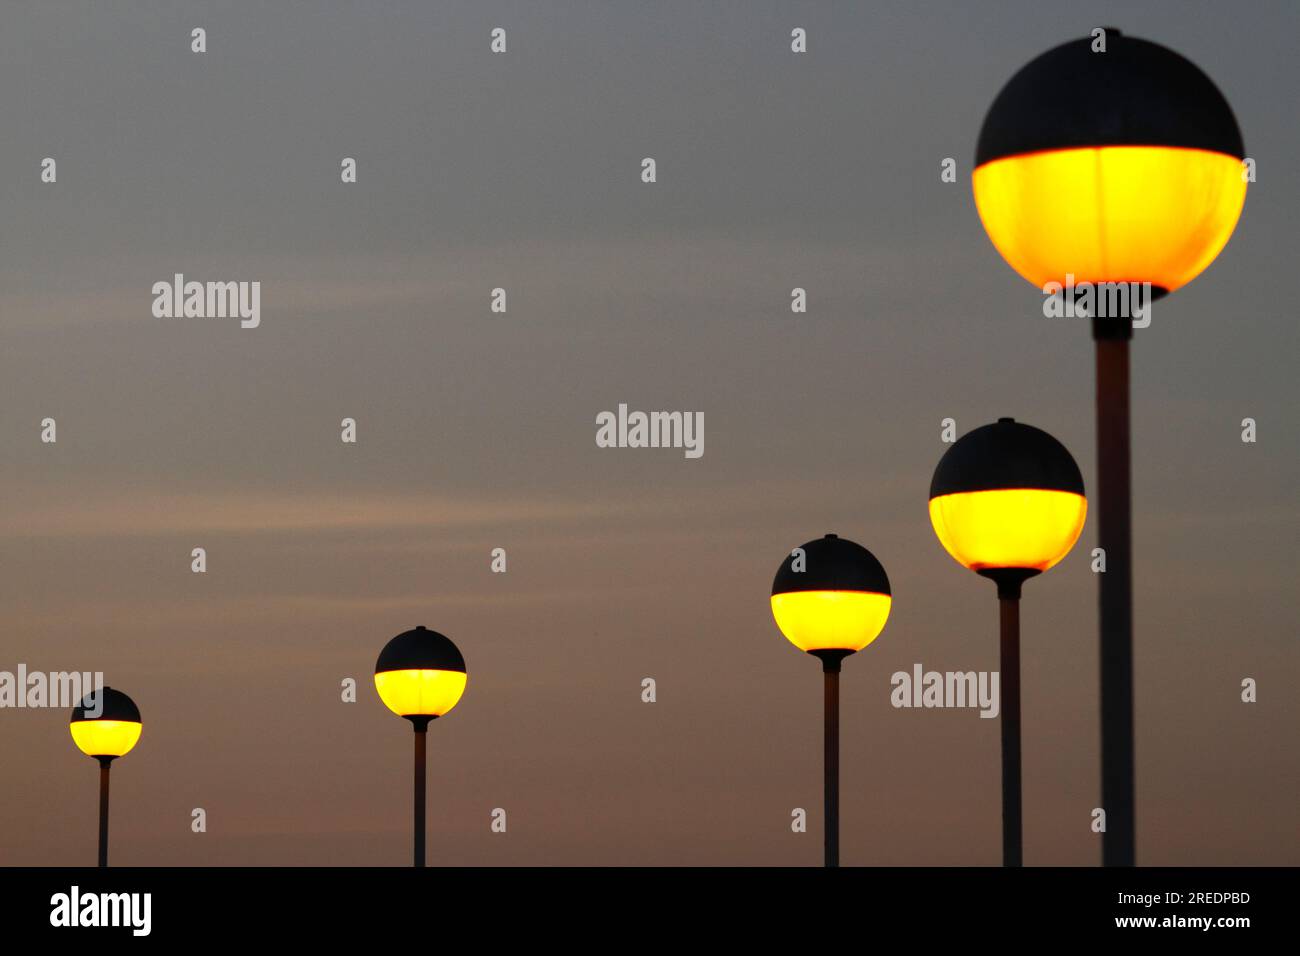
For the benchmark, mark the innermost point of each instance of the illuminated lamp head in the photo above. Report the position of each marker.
(831, 598)
(420, 675)
(1007, 502)
(106, 724)
(1122, 166)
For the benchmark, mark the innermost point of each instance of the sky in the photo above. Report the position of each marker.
(475, 431)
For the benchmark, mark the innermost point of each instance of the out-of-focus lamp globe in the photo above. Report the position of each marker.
(420, 673)
(838, 602)
(1007, 495)
(1122, 166)
(114, 731)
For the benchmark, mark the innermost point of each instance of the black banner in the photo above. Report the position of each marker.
(303, 905)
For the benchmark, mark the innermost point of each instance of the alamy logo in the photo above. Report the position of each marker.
(923, 688)
(1101, 300)
(651, 430)
(60, 689)
(208, 300)
(75, 908)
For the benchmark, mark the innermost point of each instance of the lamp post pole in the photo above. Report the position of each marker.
(1009, 581)
(1009, 642)
(1150, 146)
(831, 752)
(421, 724)
(1114, 524)
(830, 599)
(1007, 502)
(420, 676)
(104, 764)
(105, 725)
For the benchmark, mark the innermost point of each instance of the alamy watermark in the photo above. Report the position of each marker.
(1099, 300)
(60, 689)
(208, 300)
(922, 688)
(74, 908)
(626, 429)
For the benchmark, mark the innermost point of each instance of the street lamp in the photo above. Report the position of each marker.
(830, 599)
(420, 675)
(105, 732)
(1122, 166)
(1007, 502)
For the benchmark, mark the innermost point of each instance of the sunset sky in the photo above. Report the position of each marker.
(476, 431)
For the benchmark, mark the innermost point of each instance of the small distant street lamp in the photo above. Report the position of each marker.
(105, 732)
(1007, 502)
(1111, 160)
(420, 675)
(830, 599)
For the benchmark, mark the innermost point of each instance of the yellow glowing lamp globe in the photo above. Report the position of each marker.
(106, 724)
(1007, 496)
(420, 674)
(1116, 166)
(831, 595)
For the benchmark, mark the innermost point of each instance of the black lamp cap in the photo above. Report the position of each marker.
(1006, 454)
(420, 649)
(115, 706)
(832, 564)
(1137, 93)
(1009, 580)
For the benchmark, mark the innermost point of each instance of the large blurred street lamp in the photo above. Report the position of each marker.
(1007, 502)
(420, 675)
(831, 598)
(105, 732)
(1122, 166)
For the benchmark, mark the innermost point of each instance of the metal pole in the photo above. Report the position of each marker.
(104, 763)
(421, 732)
(1114, 523)
(1009, 618)
(831, 787)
